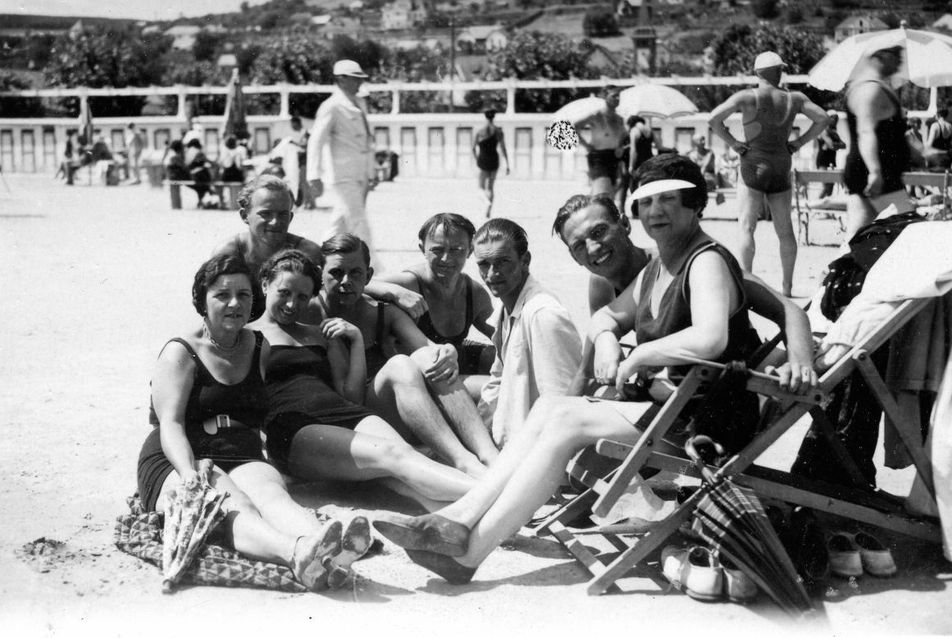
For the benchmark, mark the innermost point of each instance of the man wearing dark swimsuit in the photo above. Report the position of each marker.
(607, 137)
(878, 152)
(767, 112)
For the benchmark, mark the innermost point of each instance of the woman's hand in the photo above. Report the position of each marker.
(798, 378)
(337, 328)
(626, 370)
(607, 356)
(445, 368)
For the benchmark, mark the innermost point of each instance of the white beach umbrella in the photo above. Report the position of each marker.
(578, 110)
(927, 58)
(654, 100)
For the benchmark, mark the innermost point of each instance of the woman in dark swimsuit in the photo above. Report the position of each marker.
(454, 301)
(208, 402)
(485, 145)
(317, 428)
(419, 393)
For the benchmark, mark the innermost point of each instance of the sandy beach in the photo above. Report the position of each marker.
(98, 278)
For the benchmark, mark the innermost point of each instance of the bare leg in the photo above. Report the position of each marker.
(749, 204)
(490, 192)
(859, 213)
(570, 426)
(266, 488)
(474, 386)
(373, 451)
(400, 394)
(460, 411)
(249, 533)
(780, 209)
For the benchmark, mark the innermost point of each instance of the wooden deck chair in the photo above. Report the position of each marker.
(805, 214)
(861, 504)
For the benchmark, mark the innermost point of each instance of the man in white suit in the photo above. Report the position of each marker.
(340, 154)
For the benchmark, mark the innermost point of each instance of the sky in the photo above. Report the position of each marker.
(137, 9)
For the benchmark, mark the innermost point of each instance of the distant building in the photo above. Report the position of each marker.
(402, 14)
(482, 39)
(183, 36)
(227, 61)
(320, 21)
(854, 25)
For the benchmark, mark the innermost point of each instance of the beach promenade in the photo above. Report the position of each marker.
(97, 278)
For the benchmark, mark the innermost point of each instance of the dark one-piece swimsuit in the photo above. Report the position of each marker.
(245, 402)
(301, 393)
(468, 352)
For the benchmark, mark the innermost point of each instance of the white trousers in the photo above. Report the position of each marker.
(349, 214)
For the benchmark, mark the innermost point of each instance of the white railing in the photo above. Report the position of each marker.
(429, 144)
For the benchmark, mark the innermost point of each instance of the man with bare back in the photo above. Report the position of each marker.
(606, 140)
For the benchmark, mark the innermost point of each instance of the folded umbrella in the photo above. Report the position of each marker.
(733, 521)
(194, 510)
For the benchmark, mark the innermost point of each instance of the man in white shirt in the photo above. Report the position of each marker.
(340, 154)
(537, 347)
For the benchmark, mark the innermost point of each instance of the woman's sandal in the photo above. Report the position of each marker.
(354, 544)
(313, 555)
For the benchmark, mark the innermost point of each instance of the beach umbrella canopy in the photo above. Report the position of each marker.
(86, 120)
(733, 521)
(578, 110)
(927, 58)
(194, 510)
(235, 118)
(654, 100)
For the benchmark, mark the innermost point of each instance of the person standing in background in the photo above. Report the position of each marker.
(134, 144)
(767, 112)
(488, 142)
(827, 145)
(340, 153)
(878, 152)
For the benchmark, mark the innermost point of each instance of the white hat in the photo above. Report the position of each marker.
(349, 68)
(659, 186)
(768, 60)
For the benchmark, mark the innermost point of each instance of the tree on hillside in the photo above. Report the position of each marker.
(18, 106)
(532, 56)
(734, 51)
(600, 22)
(295, 59)
(107, 57)
(765, 9)
(368, 54)
(206, 45)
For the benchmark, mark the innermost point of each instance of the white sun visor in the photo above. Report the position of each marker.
(661, 186)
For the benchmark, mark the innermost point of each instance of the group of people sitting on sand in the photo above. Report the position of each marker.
(355, 378)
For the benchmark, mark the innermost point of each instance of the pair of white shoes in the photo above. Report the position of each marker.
(703, 575)
(852, 554)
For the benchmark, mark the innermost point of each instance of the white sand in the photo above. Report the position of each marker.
(96, 279)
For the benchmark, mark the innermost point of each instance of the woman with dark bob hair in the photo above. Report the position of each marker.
(687, 303)
(209, 402)
(317, 428)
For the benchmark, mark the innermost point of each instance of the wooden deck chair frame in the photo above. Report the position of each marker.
(801, 181)
(803, 178)
(861, 504)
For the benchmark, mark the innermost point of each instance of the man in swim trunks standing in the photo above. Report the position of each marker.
(767, 113)
(607, 137)
(878, 152)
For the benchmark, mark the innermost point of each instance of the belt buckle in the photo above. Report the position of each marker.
(219, 421)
